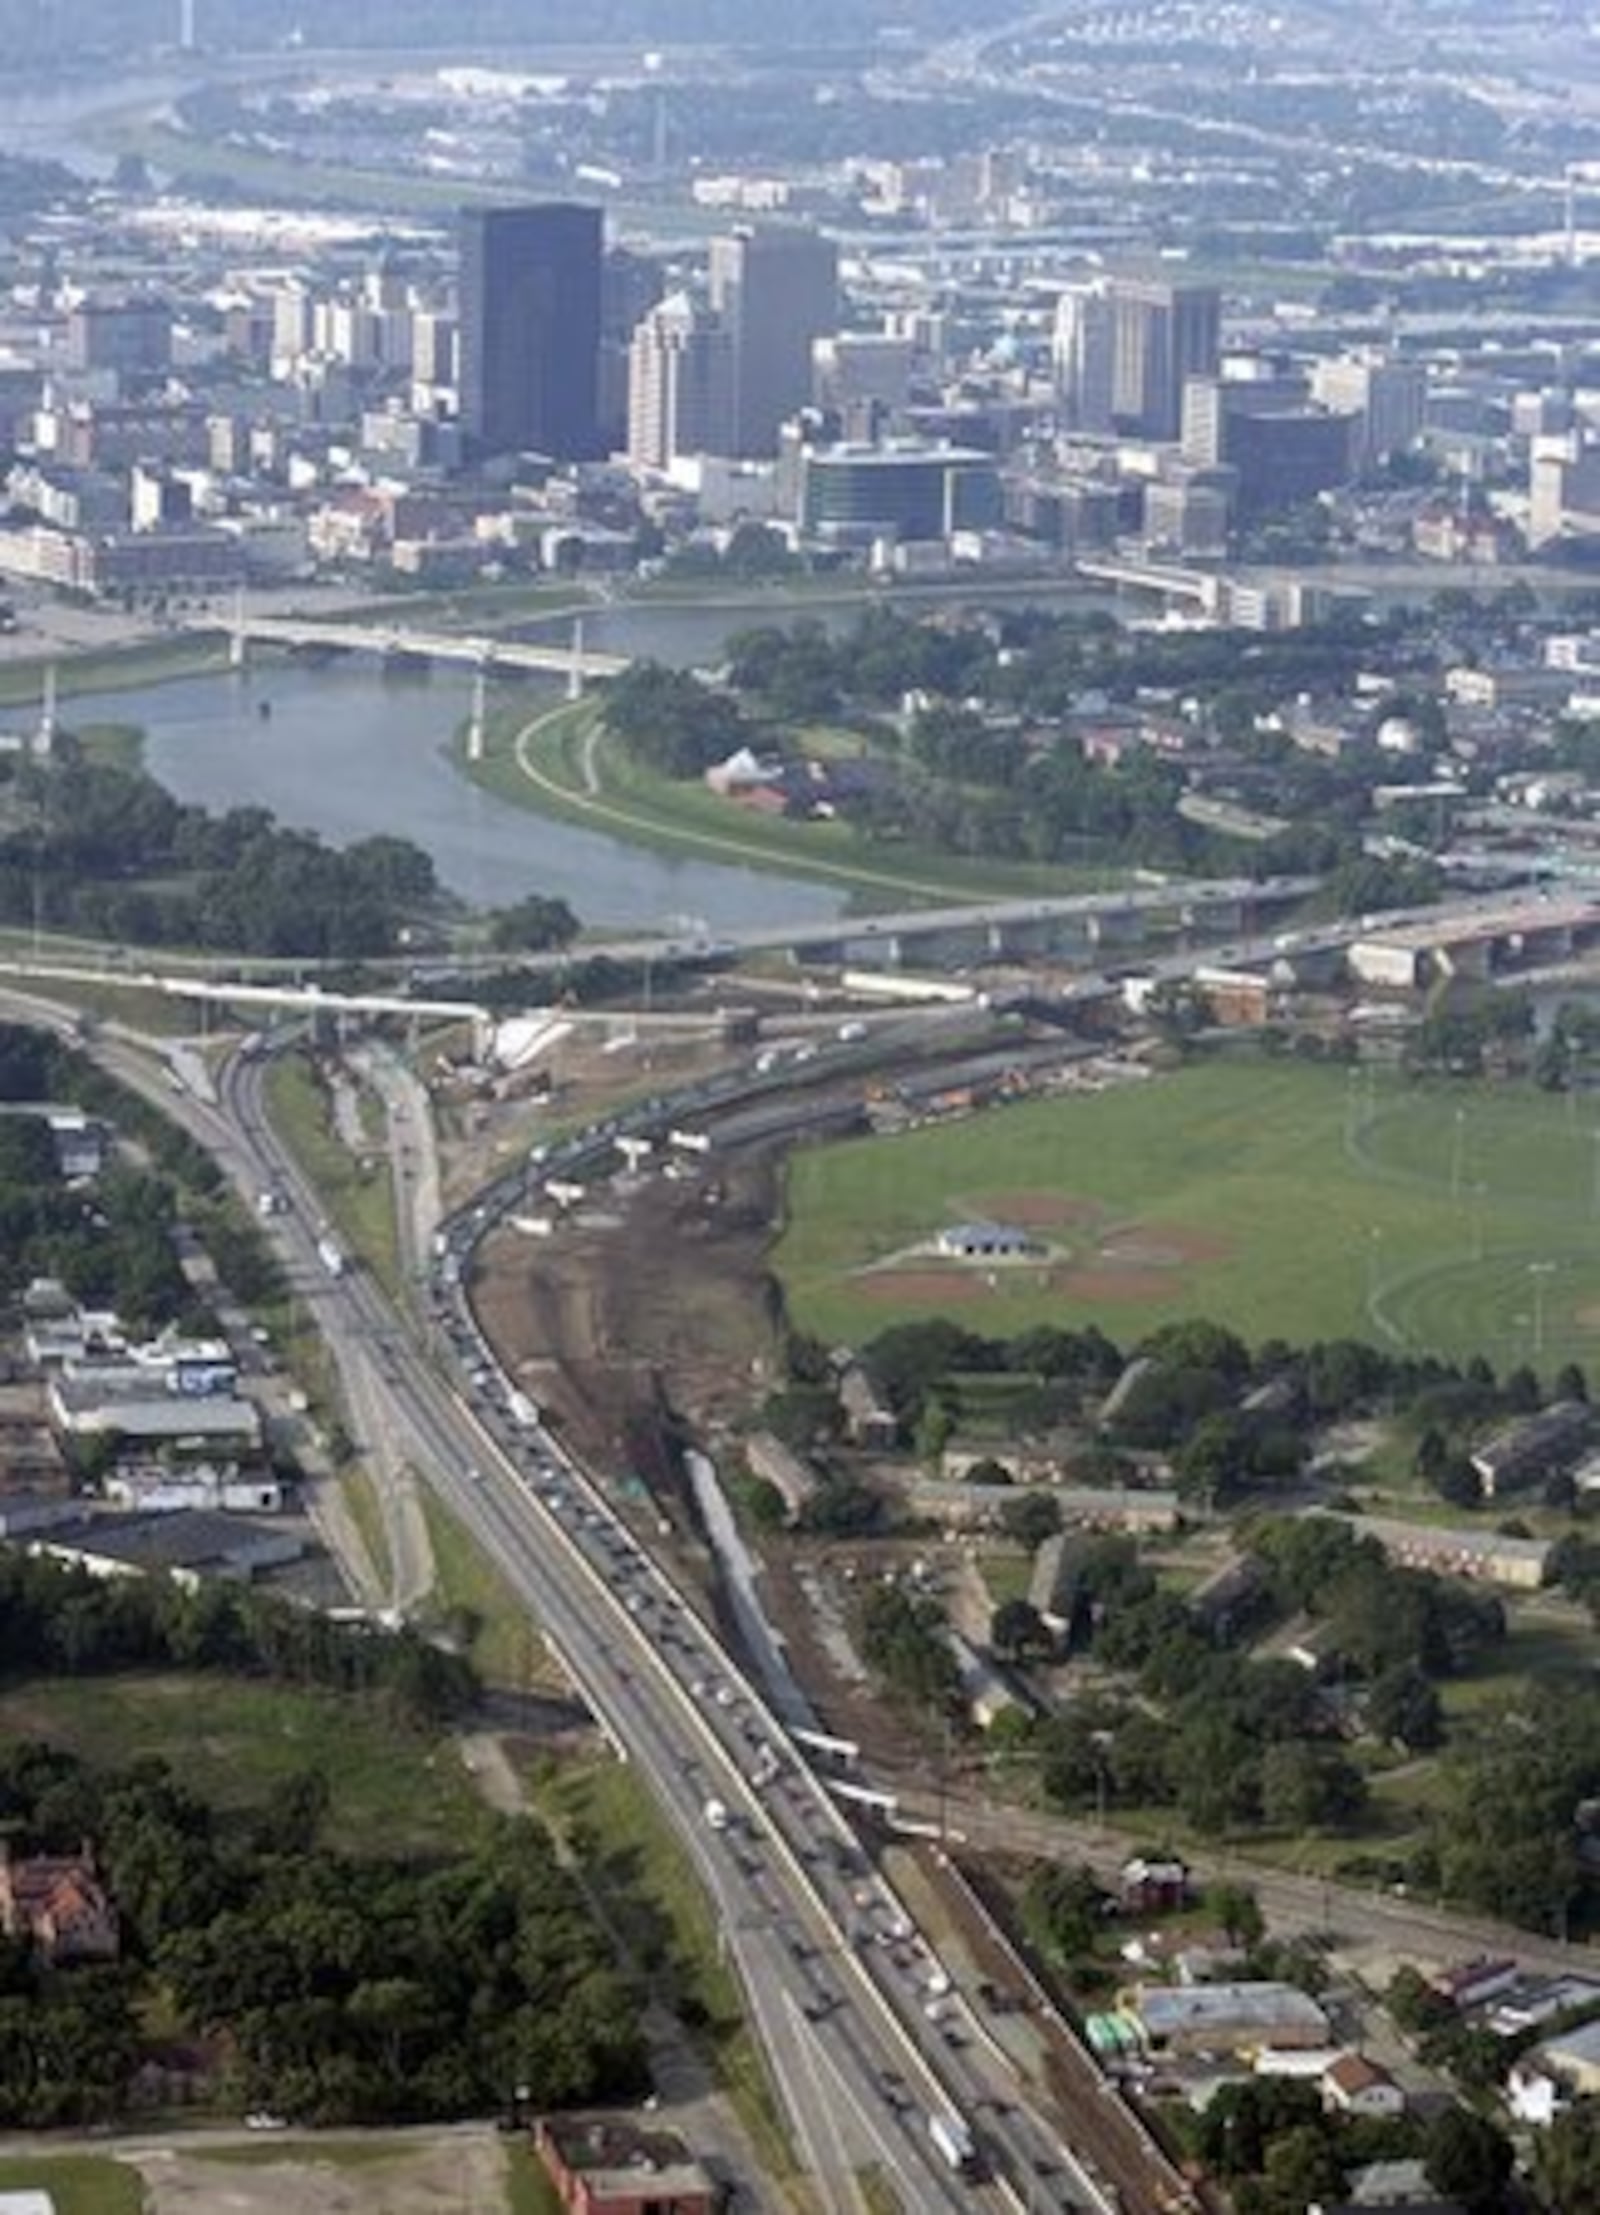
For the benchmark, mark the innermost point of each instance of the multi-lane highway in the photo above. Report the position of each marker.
(865, 2040)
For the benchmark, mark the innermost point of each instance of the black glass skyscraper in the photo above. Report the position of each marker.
(530, 330)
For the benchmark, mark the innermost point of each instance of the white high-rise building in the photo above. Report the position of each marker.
(680, 384)
(1084, 350)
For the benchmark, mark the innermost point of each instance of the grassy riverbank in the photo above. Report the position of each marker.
(113, 668)
(564, 764)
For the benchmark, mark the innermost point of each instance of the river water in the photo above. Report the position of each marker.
(351, 747)
(349, 750)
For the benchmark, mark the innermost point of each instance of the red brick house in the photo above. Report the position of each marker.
(59, 1905)
(601, 2167)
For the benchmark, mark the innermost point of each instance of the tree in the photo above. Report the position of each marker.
(1063, 1910)
(1468, 2159)
(1403, 1709)
(1209, 1466)
(1306, 1787)
(935, 1428)
(533, 925)
(1566, 2162)
(1303, 2169)
(1016, 1628)
(1031, 1518)
(1238, 1913)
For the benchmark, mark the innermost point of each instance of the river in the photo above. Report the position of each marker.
(349, 750)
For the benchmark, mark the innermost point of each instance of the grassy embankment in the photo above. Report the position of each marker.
(113, 668)
(358, 1193)
(633, 1865)
(563, 764)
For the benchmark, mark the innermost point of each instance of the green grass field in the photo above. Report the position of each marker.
(393, 1790)
(78, 2184)
(1284, 1200)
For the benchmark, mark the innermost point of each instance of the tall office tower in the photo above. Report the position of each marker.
(1162, 334)
(1387, 395)
(776, 288)
(530, 331)
(1084, 352)
(132, 336)
(631, 284)
(680, 384)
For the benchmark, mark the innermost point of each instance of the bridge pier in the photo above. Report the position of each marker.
(1115, 927)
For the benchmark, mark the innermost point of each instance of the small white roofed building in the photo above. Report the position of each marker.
(986, 1242)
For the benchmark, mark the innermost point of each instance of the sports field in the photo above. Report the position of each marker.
(1287, 1201)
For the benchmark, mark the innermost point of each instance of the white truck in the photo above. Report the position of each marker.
(331, 1255)
(952, 2141)
(716, 1815)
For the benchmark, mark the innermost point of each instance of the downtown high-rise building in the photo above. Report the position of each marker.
(1084, 354)
(1124, 348)
(530, 331)
(680, 384)
(1162, 335)
(776, 289)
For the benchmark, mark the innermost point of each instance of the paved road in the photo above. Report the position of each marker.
(830, 2008)
(1379, 1921)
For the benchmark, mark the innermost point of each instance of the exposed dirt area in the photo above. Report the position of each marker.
(1165, 1245)
(1122, 1287)
(1041, 1211)
(952, 1286)
(592, 1318)
(461, 2170)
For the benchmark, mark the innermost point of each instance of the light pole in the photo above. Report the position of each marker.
(1456, 1153)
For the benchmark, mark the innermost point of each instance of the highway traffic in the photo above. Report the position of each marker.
(865, 2041)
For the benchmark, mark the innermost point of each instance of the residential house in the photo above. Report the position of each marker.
(1356, 2086)
(1474, 1983)
(1389, 2188)
(1148, 1887)
(1554, 2073)
(59, 1905)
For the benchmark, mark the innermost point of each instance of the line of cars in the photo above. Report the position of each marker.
(785, 1811)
